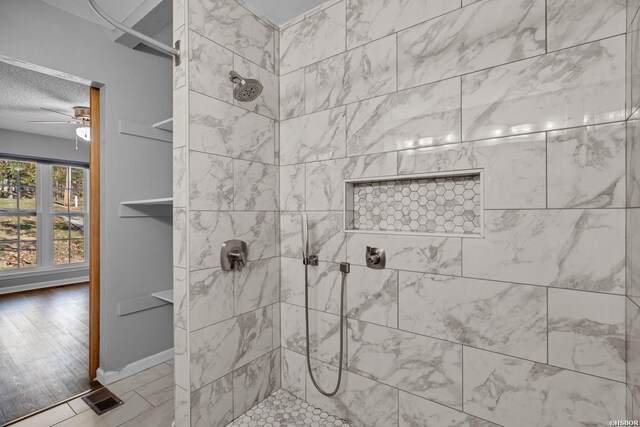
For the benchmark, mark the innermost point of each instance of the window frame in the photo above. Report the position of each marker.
(45, 215)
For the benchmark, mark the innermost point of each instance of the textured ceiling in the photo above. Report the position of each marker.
(282, 11)
(22, 94)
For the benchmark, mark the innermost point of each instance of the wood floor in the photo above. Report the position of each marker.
(44, 346)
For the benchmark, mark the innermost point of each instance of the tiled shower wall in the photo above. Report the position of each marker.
(524, 327)
(633, 210)
(227, 355)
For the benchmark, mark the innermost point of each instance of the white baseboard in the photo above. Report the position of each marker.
(109, 377)
(42, 285)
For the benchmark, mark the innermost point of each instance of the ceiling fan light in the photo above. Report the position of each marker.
(84, 132)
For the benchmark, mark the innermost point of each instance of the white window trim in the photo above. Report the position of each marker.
(44, 232)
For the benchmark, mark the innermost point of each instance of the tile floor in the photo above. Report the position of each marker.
(283, 409)
(148, 402)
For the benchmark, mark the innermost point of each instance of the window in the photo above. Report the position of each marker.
(18, 217)
(43, 215)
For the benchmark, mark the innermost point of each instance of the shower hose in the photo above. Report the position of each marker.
(344, 269)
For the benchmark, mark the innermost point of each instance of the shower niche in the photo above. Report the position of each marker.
(441, 204)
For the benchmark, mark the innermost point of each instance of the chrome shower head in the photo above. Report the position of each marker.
(246, 90)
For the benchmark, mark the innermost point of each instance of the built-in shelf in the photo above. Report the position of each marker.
(164, 295)
(164, 125)
(146, 207)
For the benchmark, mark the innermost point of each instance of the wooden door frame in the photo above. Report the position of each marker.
(94, 235)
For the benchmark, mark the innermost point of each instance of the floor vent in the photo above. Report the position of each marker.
(102, 400)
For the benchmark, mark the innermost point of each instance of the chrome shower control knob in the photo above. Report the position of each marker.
(375, 258)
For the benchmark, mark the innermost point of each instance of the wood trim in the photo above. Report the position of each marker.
(94, 235)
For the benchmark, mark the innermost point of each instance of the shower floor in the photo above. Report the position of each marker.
(283, 409)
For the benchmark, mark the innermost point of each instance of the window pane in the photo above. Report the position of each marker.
(28, 228)
(77, 178)
(28, 254)
(60, 251)
(8, 185)
(60, 198)
(8, 228)
(8, 255)
(77, 201)
(61, 227)
(60, 176)
(27, 198)
(77, 250)
(27, 172)
(77, 227)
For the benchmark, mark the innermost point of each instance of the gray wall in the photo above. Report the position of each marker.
(136, 253)
(32, 145)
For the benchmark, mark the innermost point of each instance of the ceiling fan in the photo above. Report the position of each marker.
(81, 118)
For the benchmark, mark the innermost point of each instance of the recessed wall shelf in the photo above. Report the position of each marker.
(147, 207)
(164, 295)
(144, 131)
(445, 204)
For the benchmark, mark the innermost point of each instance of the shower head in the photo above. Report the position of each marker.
(246, 90)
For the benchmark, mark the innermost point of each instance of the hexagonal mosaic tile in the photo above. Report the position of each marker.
(283, 409)
(426, 205)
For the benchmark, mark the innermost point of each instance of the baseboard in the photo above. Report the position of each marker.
(43, 285)
(109, 377)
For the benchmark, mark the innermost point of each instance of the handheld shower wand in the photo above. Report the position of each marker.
(344, 269)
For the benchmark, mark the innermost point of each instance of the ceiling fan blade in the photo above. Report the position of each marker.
(53, 122)
(57, 112)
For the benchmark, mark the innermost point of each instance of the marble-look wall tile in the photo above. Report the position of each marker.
(633, 346)
(180, 117)
(319, 8)
(180, 238)
(326, 238)
(210, 182)
(210, 297)
(248, 335)
(633, 163)
(369, 20)
(234, 27)
(292, 96)
(360, 73)
(471, 39)
(420, 365)
(372, 295)
(573, 22)
(323, 284)
(255, 186)
(292, 185)
(182, 407)
(325, 180)
(324, 333)
(574, 249)
(632, 10)
(413, 118)
(179, 15)
(181, 358)
(514, 168)
(318, 136)
(362, 401)
(179, 177)
(439, 255)
(267, 103)
(573, 87)
(212, 405)
(313, 39)
(586, 332)
(217, 127)
(294, 370)
(511, 391)
(180, 71)
(586, 167)
(633, 255)
(633, 67)
(415, 411)
(208, 230)
(502, 317)
(256, 286)
(255, 381)
(277, 325)
(209, 66)
(180, 300)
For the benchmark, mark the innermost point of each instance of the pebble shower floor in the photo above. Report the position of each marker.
(283, 409)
